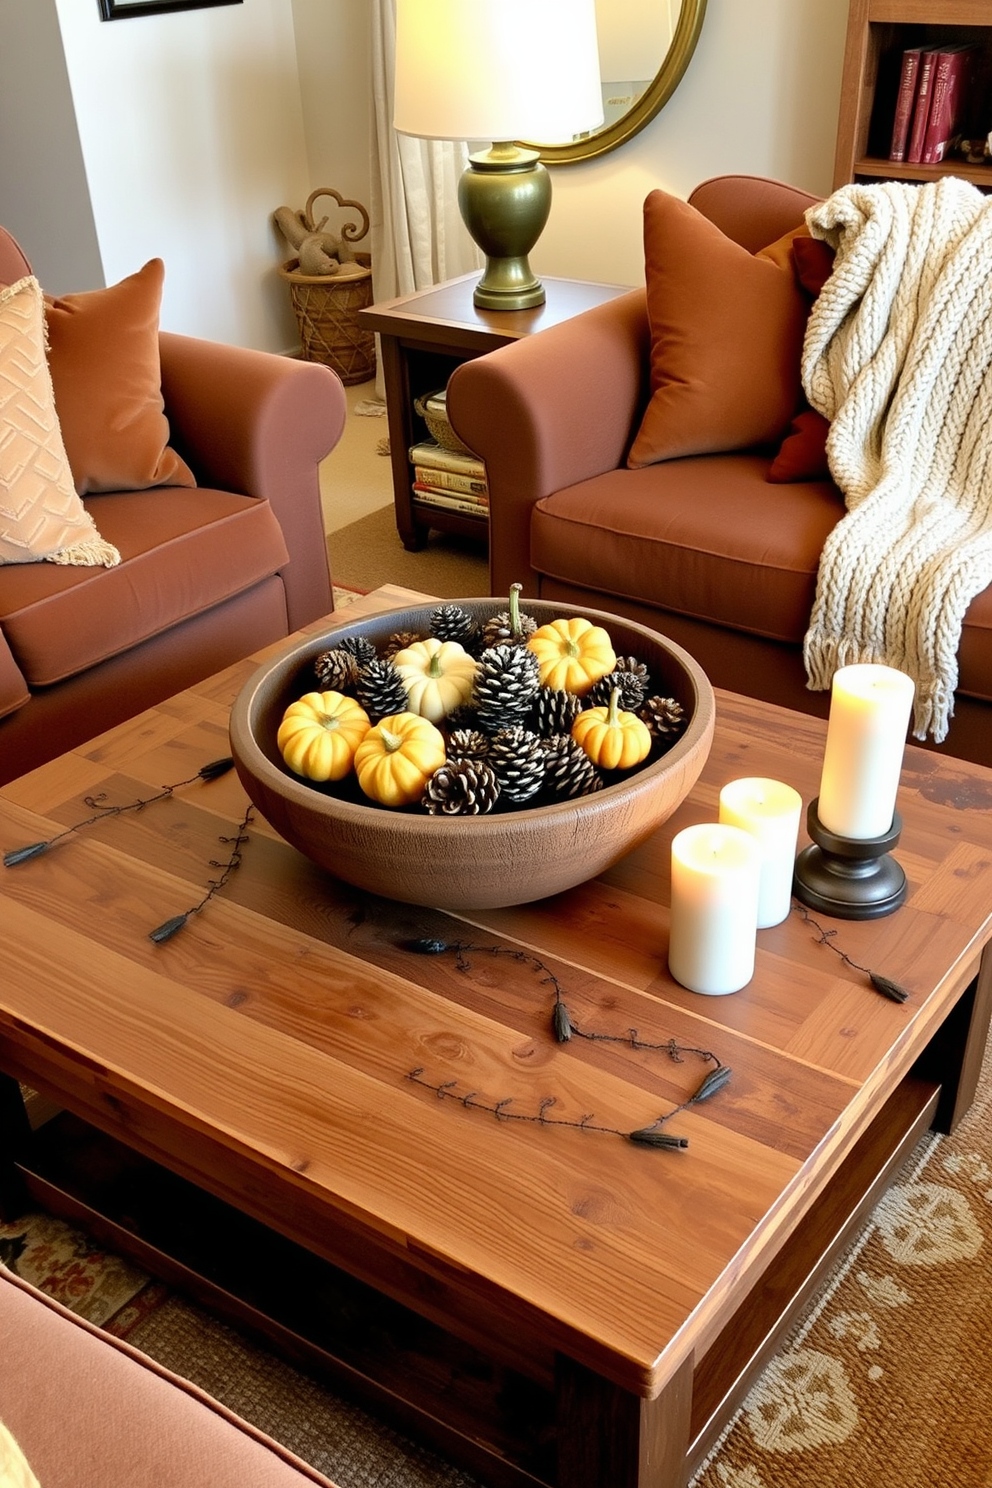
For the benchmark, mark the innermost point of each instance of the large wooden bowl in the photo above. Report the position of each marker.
(467, 862)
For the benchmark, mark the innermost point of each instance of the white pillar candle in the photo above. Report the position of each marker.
(716, 872)
(866, 738)
(770, 811)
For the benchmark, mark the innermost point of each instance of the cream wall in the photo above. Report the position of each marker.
(760, 96)
(191, 129)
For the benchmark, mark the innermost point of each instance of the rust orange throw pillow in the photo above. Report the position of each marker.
(104, 361)
(726, 338)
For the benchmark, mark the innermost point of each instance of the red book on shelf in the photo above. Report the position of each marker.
(921, 109)
(951, 73)
(905, 99)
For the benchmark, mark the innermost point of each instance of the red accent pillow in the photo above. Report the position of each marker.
(107, 378)
(803, 452)
(726, 337)
(814, 262)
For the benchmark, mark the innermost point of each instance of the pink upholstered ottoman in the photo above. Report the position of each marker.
(89, 1411)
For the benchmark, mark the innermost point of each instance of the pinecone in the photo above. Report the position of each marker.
(505, 686)
(554, 711)
(360, 648)
(664, 717)
(379, 688)
(568, 770)
(518, 758)
(509, 627)
(450, 622)
(468, 743)
(399, 641)
(336, 670)
(630, 686)
(461, 787)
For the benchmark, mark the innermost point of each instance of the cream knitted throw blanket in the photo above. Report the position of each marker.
(898, 356)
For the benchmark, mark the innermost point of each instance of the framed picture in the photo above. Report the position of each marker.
(120, 10)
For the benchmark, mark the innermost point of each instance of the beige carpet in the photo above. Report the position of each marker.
(886, 1380)
(369, 553)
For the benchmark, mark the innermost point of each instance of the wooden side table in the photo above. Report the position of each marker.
(424, 337)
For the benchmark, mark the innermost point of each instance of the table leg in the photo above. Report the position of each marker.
(954, 1055)
(607, 1436)
(14, 1132)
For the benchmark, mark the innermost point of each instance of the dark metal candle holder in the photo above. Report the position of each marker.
(852, 880)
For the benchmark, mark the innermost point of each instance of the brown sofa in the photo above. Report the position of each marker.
(87, 1410)
(703, 548)
(208, 573)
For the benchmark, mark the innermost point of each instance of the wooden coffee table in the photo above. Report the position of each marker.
(265, 1052)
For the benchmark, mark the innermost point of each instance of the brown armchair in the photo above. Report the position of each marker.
(208, 573)
(703, 548)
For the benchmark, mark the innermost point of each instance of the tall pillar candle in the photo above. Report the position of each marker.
(866, 737)
(770, 811)
(716, 873)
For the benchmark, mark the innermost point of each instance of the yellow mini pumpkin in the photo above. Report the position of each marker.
(612, 738)
(397, 757)
(572, 654)
(438, 677)
(319, 734)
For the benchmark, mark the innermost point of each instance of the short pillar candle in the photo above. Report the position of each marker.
(716, 872)
(866, 738)
(770, 811)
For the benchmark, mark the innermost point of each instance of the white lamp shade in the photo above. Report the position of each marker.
(497, 69)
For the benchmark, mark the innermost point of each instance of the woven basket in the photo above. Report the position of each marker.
(439, 427)
(326, 308)
(326, 311)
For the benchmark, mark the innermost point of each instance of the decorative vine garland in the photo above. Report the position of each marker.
(565, 1028)
(212, 771)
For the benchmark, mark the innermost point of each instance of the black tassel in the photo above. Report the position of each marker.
(21, 854)
(216, 768)
(426, 946)
(562, 1023)
(648, 1137)
(887, 987)
(169, 929)
(714, 1081)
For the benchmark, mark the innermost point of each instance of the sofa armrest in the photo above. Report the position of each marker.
(14, 690)
(259, 424)
(547, 411)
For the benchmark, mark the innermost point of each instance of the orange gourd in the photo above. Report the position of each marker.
(319, 734)
(397, 757)
(612, 738)
(572, 654)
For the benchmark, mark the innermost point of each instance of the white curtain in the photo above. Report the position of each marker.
(418, 237)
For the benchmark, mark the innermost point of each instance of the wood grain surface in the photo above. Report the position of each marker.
(266, 1050)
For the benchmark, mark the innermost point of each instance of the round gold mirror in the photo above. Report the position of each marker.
(635, 37)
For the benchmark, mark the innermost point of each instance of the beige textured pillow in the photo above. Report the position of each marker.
(41, 517)
(14, 1471)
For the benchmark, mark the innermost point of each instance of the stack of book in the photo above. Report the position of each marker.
(449, 480)
(930, 103)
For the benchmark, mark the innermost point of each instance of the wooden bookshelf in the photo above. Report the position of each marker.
(878, 31)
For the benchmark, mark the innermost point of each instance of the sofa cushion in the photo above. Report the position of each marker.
(726, 337)
(90, 1411)
(104, 361)
(183, 551)
(712, 539)
(705, 536)
(41, 516)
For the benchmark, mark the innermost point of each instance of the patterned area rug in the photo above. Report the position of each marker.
(886, 1380)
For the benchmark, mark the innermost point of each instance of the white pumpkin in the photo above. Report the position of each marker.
(438, 676)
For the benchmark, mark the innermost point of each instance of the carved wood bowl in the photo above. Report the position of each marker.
(462, 862)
